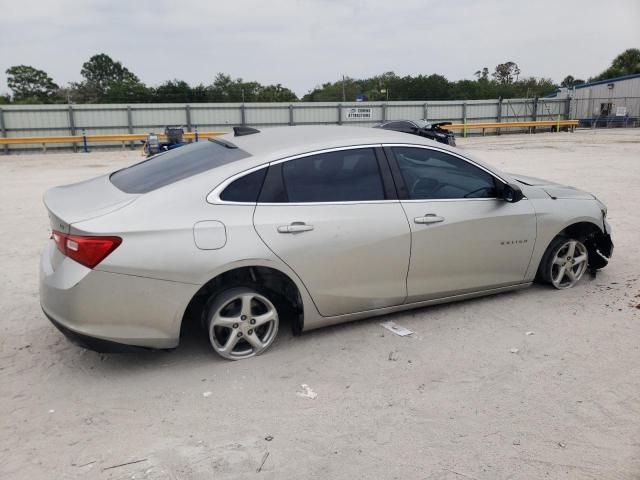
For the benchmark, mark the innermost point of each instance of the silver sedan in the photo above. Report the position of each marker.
(318, 225)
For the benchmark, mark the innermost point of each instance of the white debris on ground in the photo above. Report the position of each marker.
(397, 329)
(306, 392)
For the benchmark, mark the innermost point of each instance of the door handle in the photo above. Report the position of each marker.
(429, 218)
(295, 227)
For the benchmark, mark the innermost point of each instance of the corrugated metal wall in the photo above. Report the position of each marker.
(592, 108)
(612, 89)
(55, 120)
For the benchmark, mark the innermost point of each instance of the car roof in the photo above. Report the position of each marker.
(280, 142)
(276, 143)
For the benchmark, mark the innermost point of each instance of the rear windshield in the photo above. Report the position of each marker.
(174, 165)
(421, 123)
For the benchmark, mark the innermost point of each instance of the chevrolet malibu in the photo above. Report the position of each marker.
(318, 225)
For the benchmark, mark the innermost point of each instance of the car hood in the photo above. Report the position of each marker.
(554, 190)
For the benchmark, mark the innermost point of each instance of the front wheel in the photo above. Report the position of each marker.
(241, 323)
(564, 262)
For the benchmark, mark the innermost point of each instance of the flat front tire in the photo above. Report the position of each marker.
(564, 262)
(241, 323)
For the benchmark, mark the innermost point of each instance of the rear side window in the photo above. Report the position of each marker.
(245, 189)
(342, 176)
(174, 165)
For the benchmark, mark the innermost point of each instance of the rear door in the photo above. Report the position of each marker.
(464, 238)
(334, 219)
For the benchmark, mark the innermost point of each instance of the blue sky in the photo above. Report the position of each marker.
(303, 43)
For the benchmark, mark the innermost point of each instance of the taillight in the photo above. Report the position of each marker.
(86, 250)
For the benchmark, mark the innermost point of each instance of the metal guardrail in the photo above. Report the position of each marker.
(86, 139)
(500, 125)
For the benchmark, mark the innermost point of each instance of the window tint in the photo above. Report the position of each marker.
(246, 188)
(347, 175)
(430, 174)
(174, 165)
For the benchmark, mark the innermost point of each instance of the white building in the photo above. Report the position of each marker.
(615, 100)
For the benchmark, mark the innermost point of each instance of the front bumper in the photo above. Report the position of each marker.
(600, 248)
(107, 311)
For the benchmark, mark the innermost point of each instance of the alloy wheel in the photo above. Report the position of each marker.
(569, 264)
(242, 324)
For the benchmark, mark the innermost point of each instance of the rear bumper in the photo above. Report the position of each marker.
(107, 311)
(92, 343)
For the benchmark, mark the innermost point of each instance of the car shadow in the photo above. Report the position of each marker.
(194, 350)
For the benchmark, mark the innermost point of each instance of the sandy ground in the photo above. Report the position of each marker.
(451, 402)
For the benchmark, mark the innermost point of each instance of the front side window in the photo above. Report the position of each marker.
(342, 176)
(431, 174)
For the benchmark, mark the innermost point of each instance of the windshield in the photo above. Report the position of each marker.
(174, 165)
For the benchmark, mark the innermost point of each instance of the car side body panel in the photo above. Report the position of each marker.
(139, 293)
(478, 244)
(553, 216)
(355, 257)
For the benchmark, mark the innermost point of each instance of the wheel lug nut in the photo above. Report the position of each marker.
(239, 334)
(235, 325)
(243, 317)
(252, 321)
(250, 332)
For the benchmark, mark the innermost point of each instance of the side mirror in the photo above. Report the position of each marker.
(511, 193)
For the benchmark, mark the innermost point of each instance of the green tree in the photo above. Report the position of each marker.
(30, 84)
(226, 89)
(507, 72)
(532, 87)
(276, 93)
(173, 91)
(427, 87)
(106, 80)
(627, 63)
(482, 74)
(571, 82)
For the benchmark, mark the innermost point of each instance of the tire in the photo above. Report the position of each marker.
(241, 322)
(564, 262)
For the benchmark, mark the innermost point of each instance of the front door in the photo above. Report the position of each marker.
(337, 228)
(464, 238)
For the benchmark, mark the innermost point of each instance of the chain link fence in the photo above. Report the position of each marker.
(609, 112)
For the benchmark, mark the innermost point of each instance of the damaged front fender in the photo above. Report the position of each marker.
(600, 248)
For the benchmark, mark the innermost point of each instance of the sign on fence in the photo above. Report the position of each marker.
(621, 111)
(359, 113)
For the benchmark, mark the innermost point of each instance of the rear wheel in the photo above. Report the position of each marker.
(564, 262)
(241, 323)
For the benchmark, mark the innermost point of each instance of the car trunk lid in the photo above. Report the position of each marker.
(73, 203)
